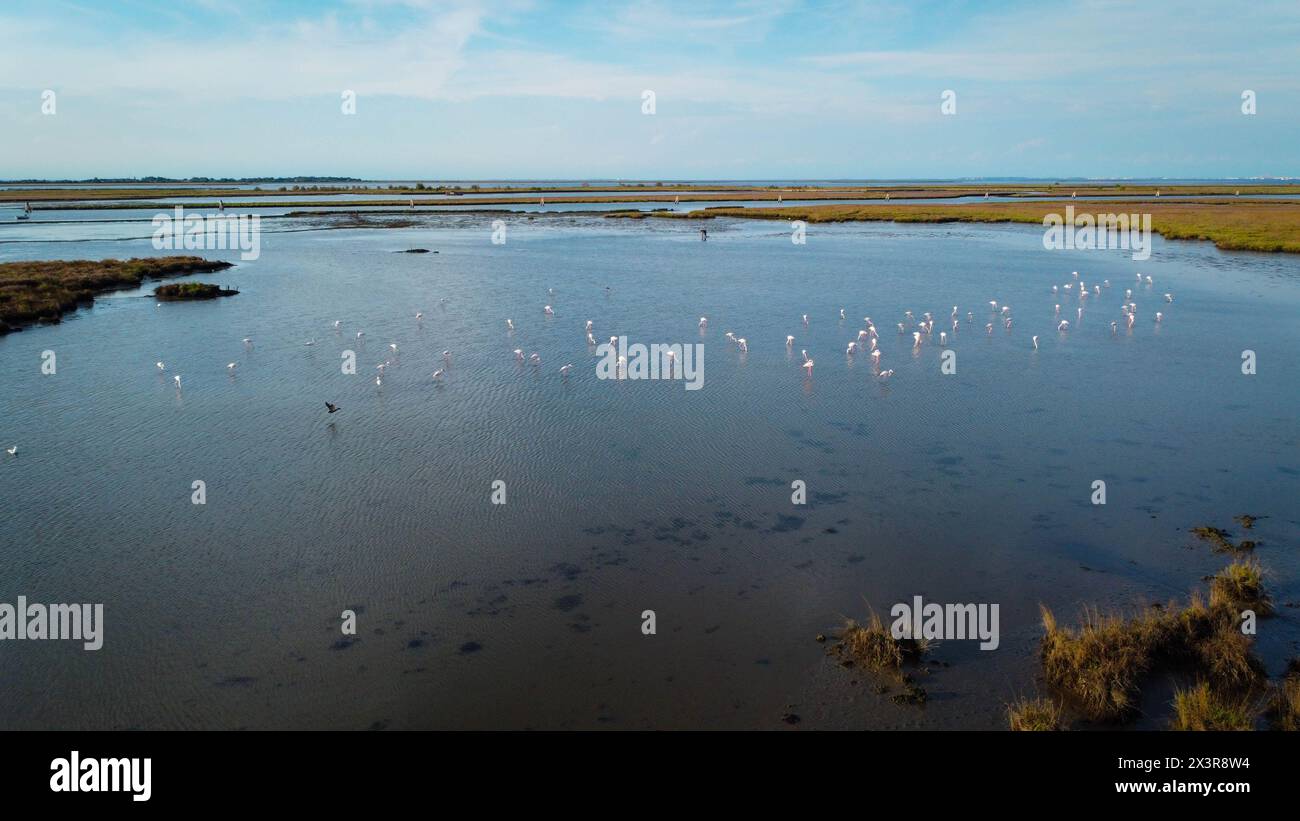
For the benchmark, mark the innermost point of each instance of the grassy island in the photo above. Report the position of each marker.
(178, 291)
(43, 291)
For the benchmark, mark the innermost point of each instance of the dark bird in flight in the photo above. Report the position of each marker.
(331, 407)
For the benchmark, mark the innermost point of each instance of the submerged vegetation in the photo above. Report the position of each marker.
(46, 290)
(1221, 540)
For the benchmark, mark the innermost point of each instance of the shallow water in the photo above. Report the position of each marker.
(622, 496)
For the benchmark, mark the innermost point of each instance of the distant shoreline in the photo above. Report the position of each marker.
(1269, 226)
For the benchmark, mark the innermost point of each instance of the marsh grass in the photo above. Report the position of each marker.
(1206, 708)
(1034, 715)
(190, 290)
(874, 647)
(1240, 586)
(1284, 704)
(46, 290)
(1099, 666)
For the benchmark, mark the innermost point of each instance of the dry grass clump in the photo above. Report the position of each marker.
(874, 647)
(1034, 715)
(1098, 664)
(1203, 708)
(1240, 586)
(1284, 705)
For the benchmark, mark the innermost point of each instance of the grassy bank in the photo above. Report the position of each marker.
(1231, 224)
(44, 291)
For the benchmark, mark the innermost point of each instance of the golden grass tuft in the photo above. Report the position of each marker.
(1203, 708)
(875, 647)
(1284, 706)
(1240, 586)
(1098, 664)
(1034, 715)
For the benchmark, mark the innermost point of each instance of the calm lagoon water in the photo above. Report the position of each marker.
(622, 496)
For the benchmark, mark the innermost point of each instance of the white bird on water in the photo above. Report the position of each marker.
(808, 366)
(916, 339)
(744, 346)
(805, 355)
(887, 374)
(1114, 326)
(177, 380)
(546, 309)
(564, 370)
(446, 357)
(310, 342)
(510, 324)
(248, 340)
(875, 357)
(989, 327)
(789, 341)
(360, 334)
(852, 348)
(704, 322)
(519, 354)
(419, 315)
(591, 340)
(1063, 326)
(393, 346)
(805, 319)
(230, 366)
(841, 313)
(160, 366)
(1159, 316)
(1169, 297)
(337, 323)
(437, 374)
(12, 451)
(589, 325)
(901, 329)
(1035, 343)
(535, 359)
(943, 339)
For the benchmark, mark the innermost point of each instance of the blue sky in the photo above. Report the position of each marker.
(743, 90)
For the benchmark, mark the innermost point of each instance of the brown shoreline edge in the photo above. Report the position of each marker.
(43, 291)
